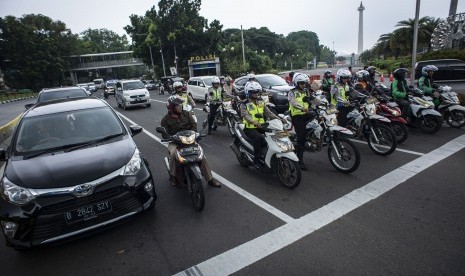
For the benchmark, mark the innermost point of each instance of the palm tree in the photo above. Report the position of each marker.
(404, 34)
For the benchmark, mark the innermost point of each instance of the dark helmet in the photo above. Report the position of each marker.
(174, 101)
(371, 70)
(400, 73)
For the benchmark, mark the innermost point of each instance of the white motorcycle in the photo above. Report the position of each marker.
(323, 131)
(278, 156)
(450, 108)
(422, 112)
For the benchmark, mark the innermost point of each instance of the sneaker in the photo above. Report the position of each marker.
(213, 182)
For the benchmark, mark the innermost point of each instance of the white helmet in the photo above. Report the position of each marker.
(299, 77)
(427, 68)
(343, 73)
(177, 84)
(216, 80)
(252, 87)
(362, 75)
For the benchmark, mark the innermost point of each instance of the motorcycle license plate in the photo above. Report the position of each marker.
(189, 151)
(88, 212)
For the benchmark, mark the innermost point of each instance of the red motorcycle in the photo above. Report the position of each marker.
(391, 110)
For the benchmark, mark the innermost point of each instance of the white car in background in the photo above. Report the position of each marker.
(197, 87)
(132, 93)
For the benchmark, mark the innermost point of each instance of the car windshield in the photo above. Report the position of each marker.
(61, 94)
(270, 80)
(111, 84)
(133, 85)
(208, 81)
(67, 129)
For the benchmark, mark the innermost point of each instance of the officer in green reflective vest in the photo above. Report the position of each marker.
(215, 97)
(253, 106)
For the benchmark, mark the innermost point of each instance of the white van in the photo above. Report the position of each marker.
(99, 83)
(132, 93)
(197, 87)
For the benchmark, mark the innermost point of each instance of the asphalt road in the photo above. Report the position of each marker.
(402, 214)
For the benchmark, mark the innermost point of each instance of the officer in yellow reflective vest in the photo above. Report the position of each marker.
(253, 106)
(215, 97)
(341, 93)
(300, 114)
(188, 103)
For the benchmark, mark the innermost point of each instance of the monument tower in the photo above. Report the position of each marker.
(360, 28)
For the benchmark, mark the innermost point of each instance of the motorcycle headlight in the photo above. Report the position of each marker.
(395, 113)
(187, 140)
(285, 144)
(14, 193)
(333, 121)
(134, 165)
(371, 111)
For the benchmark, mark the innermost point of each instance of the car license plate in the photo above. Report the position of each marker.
(88, 212)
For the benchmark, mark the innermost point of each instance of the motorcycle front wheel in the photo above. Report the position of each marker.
(349, 156)
(400, 130)
(455, 118)
(386, 141)
(429, 123)
(197, 192)
(289, 172)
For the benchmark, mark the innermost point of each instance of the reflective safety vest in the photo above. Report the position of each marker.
(254, 109)
(216, 94)
(299, 98)
(184, 96)
(341, 92)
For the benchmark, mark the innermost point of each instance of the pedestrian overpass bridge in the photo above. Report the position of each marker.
(101, 61)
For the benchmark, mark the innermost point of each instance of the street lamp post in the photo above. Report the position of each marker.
(151, 59)
(162, 60)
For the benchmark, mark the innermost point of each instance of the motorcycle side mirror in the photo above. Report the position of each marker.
(259, 116)
(211, 93)
(161, 130)
(135, 129)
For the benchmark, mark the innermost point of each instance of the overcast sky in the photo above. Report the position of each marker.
(332, 20)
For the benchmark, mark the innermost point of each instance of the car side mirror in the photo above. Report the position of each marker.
(135, 129)
(27, 106)
(2, 154)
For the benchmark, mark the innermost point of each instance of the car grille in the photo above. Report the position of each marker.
(51, 223)
(137, 96)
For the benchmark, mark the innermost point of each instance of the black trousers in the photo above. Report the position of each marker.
(300, 123)
(405, 107)
(342, 115)
(257, 139)
(212, 114)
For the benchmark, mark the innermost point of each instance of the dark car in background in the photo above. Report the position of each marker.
(150, 84)
(274, 85)
(72, 168)
(168, 81)
(448, 69)
(50, 94)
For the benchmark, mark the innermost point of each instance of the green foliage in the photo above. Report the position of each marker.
(102, 41)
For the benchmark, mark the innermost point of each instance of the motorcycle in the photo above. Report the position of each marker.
(365, 123)
(450, 108)
(323, 131)
(389, 109)
(422, 113)
(161, 89)
(188, 156)
(225, 114)
(277, 156)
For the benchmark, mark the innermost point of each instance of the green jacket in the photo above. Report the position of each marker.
(427, 85)
(326, 84)
(399, 89)
(175, 123)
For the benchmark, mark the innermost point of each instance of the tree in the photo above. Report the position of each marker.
(103, 41)
(33, 50)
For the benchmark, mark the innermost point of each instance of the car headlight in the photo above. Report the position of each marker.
(14, 193)
(187, 140)
(285, 144)
(134, 165)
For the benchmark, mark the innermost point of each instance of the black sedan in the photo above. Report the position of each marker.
(72, 168)
(274, 85)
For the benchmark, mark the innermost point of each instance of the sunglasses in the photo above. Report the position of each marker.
(300, 82)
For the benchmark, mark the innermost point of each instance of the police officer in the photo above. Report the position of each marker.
(252, 106)
(341, 94)
(300, 113)
(215, 97)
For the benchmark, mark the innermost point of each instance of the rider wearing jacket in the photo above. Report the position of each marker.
(180, 92)
(399, 90)
(327, 83)
(177, 120)
(427, 85)
(362, 85)
(342, 91)
(299, 109)
(252, 106)
(215, 97)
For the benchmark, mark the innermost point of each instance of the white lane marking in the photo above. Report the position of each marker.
(397, 149)
(250, 252)
(262, 204)
(165, 103)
